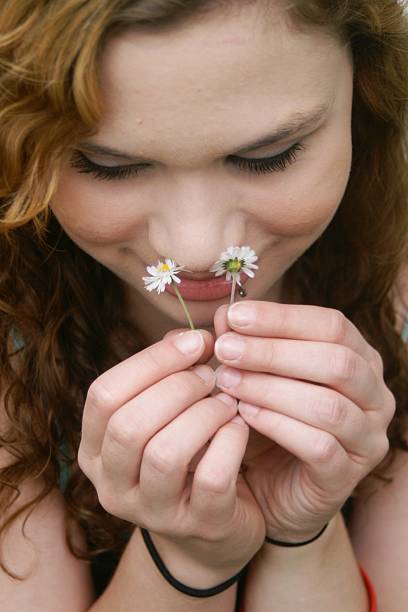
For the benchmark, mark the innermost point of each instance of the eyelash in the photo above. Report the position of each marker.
(259, 166)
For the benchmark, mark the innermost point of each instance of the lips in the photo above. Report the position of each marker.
(196, 276)
(211, 288)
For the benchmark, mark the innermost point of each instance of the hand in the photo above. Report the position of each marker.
(144, 421)
(318, 394)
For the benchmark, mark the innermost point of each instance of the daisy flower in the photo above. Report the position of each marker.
(165, 274)
(232, 262)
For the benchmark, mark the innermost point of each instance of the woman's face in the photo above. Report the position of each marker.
(183, 107)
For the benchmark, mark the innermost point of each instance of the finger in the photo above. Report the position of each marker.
(124, 381)
(330, 467)
(137, 422)
(302, 322)
(213, 492)
(332, 365)
(314, 405)
(167, 456)
(220, 321)
(208, 339)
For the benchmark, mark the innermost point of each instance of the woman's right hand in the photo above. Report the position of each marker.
(145, 422)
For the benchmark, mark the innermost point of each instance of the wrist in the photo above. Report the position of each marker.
(192, 568)
(317, 547)
(299, 539)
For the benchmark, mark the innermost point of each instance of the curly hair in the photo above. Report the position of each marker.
(69, 308)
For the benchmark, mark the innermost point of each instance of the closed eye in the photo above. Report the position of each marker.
(262, 165)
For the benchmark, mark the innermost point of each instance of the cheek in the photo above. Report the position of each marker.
(99, 214)
(304, 199)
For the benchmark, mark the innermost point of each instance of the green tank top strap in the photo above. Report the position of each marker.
(405, 329)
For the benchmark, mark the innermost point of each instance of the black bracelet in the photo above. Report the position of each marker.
(279, 543)
(179, 585)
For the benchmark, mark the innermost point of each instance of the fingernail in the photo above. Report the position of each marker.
(188, 342)
(248, 409)
(241, 314)
(204, 372)
(229, 347)
(227, 399)
(227, 377)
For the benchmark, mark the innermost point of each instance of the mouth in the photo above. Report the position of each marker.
(196, 276)
(207, 289)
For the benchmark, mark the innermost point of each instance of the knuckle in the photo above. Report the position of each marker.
(283, 316)
(83, 461)
(122, 434)
(378, 361)
(391, 405)
(383, 448)
(342, 363)
(160, 458)
(99, 399)
(212, 481)
(266, 354)
(338, 325)
(331, 410)
(108, 500)
(324, 448)
(183, 383)
(155, 354)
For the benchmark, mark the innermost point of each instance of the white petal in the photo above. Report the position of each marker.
(248, 272)
(156, 283)
(217, 266)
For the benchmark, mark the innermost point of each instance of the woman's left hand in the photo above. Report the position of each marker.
(307, 380)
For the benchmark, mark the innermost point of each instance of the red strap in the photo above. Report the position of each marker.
(370, 591)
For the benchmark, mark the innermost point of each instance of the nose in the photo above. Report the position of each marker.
(201, 222)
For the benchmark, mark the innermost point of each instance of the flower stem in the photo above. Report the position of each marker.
(190, 322)
(234, 284)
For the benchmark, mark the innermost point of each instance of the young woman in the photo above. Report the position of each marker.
(266, 451)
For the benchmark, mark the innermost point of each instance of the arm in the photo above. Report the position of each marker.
(137, 585)
(56, 580)
(320, 576)
(379, 533)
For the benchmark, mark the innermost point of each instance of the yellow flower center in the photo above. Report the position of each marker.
(164, 268)
(234, 265)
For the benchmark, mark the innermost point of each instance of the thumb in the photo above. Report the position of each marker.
(208, 342)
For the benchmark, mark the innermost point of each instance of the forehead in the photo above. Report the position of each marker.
(204, 79)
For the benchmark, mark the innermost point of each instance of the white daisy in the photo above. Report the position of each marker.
(161, 275)
(235, 260)
(232, 262)
(165, 274)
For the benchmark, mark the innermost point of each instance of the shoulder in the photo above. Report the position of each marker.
(33, 539)
(378, 530)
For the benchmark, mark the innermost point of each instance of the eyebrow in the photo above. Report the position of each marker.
(297, 122)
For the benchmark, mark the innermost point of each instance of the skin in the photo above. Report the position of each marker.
(240, 79)
(186, 99)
